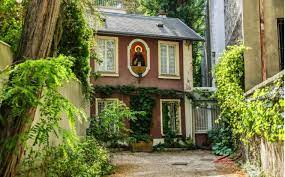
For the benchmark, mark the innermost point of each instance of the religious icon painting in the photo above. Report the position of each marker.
(138, 58)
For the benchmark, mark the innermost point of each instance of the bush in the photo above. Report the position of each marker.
(86, 159)
(109, 127)
(222, 141)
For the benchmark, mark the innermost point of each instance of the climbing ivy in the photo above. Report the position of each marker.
(108, 90)
(261, 114)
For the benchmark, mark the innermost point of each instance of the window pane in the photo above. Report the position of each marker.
(171, 54)
(101, 52)
(101, 106)
(110, 58)
(107, 55)
(170, 117)
(163, 59)
(201, 116)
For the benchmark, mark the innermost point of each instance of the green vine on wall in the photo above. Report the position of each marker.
(261, 115)
(108, 90)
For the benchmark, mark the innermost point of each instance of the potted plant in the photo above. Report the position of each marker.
(141, 143)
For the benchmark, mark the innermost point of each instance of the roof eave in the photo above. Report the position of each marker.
(104, 32)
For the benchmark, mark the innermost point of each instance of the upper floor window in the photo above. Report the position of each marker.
(280, 25)
(107, 49)
(168, 53)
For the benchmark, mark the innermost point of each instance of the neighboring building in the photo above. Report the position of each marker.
(215, 34)
(258, 25)
(268, 18)
(144, 51)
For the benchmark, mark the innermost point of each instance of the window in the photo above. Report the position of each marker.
(102, 103)
(170, 116)
(280, 25)
(168, 59)
(107, 48)
(205, 116)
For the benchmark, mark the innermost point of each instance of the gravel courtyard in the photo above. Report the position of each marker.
(196, 163)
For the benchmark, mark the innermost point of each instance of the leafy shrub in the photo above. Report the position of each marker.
(257, 116)
(141, 126)
(176, 142)
(222, 141)
(86, 159)
(136, 138)
(109, 127)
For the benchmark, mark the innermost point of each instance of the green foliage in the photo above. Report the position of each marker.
(87, 158)
(35, 83)
(172, 141)
(11, 19)
(76, 40)
(75, 36)
(260, 115)
(109, 127)
(108, 90)
(222, 141)
(141, 126)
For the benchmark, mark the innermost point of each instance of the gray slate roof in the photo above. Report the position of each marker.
(147, 26)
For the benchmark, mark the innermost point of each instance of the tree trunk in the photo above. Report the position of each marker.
(36, 40)
(39, 26)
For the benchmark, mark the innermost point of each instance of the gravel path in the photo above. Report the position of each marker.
(172, 164)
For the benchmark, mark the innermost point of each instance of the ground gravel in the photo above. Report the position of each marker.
(198, 163)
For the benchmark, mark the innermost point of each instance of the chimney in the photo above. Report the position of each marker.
(162, 13)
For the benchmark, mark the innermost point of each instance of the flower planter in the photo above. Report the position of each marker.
(142, 146)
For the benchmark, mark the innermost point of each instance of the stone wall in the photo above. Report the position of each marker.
(272, 158)
(270, 155)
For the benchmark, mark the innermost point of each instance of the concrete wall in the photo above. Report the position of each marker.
(6, 55)
(273, 9)
(70, 90)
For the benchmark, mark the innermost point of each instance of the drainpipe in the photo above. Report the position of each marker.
(262, 41)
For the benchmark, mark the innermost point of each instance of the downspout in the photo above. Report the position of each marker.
(262, 42)
(208, 47)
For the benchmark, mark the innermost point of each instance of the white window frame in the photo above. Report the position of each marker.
(104, 99)
(179, 114)
(177, 71)
(116, 72)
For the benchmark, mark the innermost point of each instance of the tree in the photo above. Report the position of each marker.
(36, 41)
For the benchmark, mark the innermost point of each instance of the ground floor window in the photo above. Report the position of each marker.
(170, 116)
(102, 103)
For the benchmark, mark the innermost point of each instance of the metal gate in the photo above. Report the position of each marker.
(205, 116)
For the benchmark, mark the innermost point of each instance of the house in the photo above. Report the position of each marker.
(147, 52)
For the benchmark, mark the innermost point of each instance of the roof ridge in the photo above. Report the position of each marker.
(138, 15)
